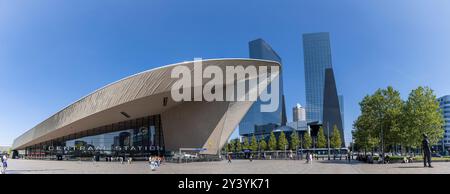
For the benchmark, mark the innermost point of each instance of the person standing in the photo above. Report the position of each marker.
(158, 161)
(310, 158)
(4, 164)
(349, 155)
(426, 151)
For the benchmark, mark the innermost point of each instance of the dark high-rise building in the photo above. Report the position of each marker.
(259, 49)
(341, 107)
(331, 106)
(317, 58)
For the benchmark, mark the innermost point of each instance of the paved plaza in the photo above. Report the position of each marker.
(221, 167)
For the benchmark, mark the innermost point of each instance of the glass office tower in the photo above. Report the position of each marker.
(254, 118)
(317, 58)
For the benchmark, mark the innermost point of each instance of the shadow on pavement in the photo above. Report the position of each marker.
(24, 171)
(410, 167)
(353, 162)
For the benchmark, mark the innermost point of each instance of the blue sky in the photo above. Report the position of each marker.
(54, 52)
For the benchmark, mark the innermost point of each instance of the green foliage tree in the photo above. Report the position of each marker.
(307, 141)
(238, 145)
(321, 139)
(421, 115)
(295, 141)
(385, 116)
(381, 115)
(282, 141)
(335, 139)
(262, 145)
(254, 144)
(226, 147)
(364, 139)
(245, 145)
(232, 145)
(272, 142)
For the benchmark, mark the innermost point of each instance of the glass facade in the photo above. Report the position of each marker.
(317, 58)
(137, 138)
(259, 49)
(444, 103)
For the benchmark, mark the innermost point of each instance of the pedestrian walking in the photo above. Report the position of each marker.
(307, 157)
(229, 158)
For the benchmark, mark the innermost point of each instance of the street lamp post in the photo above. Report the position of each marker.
(301, 147)
(328, 137)
(285, 147)
(382, 139)
(380, 117)
(353, 146)
(382, 145)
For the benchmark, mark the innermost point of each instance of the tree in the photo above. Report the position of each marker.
(254, 144)
(321, 139)
(335, 140)
(380, 118)
(421, 115)
(272, 142)
(262, 145)
(282, 141)
(226, 147)
(232, 146)
(307, 141)
(246, 145)
(238, 145)
(365, 137)
(295, 141)
(389, 121)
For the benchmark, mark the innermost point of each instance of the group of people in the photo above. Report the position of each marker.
(4, 164)
(407, 159)
(155, 162)
(120, 159)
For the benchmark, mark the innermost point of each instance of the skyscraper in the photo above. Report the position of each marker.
(299, 113)
(331, 106)
(317, 58)
(259, 49)
(341, 107)
(323, 106)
